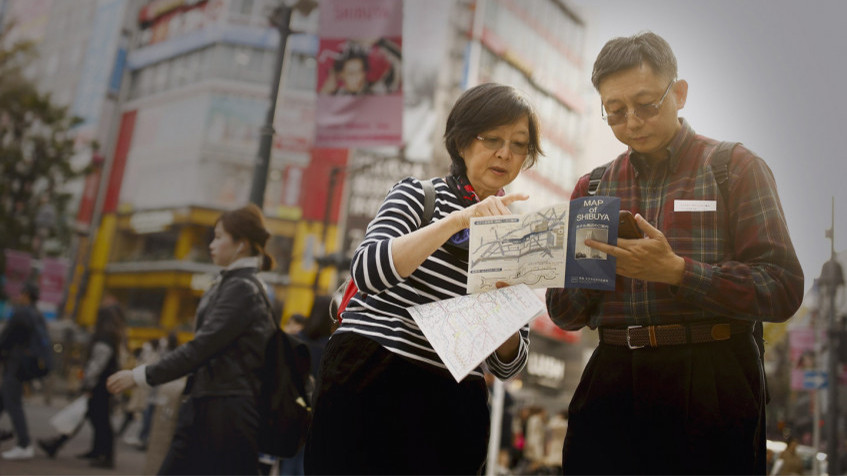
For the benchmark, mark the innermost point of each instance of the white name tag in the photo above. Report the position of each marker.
(695, 205)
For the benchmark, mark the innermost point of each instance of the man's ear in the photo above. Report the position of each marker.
(680, 93)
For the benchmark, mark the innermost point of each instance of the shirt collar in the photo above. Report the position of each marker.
(246, 262)
(679, 143)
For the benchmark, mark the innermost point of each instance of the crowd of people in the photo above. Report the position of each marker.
(676, 384)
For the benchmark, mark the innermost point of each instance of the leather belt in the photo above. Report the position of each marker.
(636, 337)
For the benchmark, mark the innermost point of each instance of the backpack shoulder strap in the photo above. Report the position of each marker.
(595, 177)
(255, 281)
(429, 201)
(719, 163)
(720, 166)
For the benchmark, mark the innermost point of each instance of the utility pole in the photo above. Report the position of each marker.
(831, 279)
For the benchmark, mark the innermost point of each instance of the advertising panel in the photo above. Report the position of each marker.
(18, 269)
(801, 345)
(368, 180)
(359, 77)
(51, 282)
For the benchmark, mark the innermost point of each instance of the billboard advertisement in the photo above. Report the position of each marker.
(359, 73)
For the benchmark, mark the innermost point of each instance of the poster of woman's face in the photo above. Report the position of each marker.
(361, 66)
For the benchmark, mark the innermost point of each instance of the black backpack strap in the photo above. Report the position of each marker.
(429, 201)
(719, 163)
(595, 177)
(720, 166)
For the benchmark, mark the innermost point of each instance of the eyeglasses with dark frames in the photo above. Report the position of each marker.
(641, 111)
(496, 143)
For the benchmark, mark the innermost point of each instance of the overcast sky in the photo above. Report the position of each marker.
(771, 74)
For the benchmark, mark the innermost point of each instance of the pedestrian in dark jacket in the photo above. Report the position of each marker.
(217, 426)
(103, 360)
(14, 340)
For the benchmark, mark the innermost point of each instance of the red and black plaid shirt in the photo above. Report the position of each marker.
(739, 260)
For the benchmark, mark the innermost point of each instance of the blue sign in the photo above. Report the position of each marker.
(814, 379)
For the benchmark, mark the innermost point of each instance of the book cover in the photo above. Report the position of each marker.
(593, 218)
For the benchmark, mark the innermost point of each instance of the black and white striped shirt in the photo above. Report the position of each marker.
(381, 315)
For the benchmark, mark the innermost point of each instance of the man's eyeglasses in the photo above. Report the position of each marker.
(642, 111)
(496, 143)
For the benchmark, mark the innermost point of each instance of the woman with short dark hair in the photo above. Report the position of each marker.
(384, 402)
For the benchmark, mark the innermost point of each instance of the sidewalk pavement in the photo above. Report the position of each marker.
(128, 459)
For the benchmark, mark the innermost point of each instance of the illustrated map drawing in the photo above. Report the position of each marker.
(465, 330)
(528, 249)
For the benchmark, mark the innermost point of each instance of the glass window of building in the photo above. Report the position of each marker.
(242, 7)
(300, 73)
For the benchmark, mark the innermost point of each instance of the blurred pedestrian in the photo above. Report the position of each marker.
(103, 353)
(217, 426)
(132, 401)
(384, 401)
(790, 463)
(14, 342)
(557, 428)
(150, 354)
(535, 449)
(315, 333)
(102, 362)
(294, 324)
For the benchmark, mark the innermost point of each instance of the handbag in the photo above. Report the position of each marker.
(70, 417)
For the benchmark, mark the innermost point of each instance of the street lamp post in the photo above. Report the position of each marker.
(281, 19)
(832, 278)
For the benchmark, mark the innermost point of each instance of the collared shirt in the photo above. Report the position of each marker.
(739, 260)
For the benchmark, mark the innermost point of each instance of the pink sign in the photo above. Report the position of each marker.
(801, 345)
(360, 95)
(18, 269)
(51, 281)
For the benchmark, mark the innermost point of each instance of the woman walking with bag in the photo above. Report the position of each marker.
(384, 402)
(103, 360)
(218, 424)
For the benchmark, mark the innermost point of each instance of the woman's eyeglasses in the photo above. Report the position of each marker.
(496, 143)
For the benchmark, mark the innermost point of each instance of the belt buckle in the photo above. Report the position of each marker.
(629, 340)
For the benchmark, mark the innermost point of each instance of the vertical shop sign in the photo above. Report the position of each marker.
(369, 180)
(359, 77)
(18, 269)
(801, 345)
(51, 282)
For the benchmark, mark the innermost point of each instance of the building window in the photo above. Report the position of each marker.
(242, 7)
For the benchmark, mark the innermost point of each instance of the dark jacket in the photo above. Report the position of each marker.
(232, 328)
(15, 337)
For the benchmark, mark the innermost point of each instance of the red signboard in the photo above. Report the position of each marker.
(316, 182)
(119, 161)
